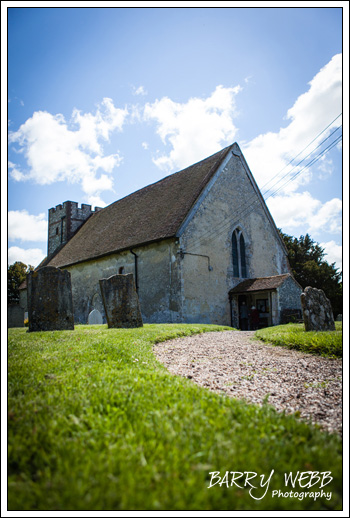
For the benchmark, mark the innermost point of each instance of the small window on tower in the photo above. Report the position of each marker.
(121, 270)
(57, 231)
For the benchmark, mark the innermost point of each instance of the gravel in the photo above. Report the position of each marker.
(230, 362)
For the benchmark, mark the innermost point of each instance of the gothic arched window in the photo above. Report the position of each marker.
(242, 254)
(238, 254)
(235, 255)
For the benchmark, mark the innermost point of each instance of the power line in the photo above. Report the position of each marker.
(307, 156)
(238, 211)
(253, 197)
(309, 144)
(218, 230)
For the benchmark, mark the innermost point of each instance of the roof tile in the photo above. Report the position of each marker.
(153, 213)
(260, 284)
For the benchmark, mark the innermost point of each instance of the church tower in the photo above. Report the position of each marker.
(64, 221)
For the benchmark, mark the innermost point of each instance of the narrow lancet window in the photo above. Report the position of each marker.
(235, 255)
(242, 254)
(239, 254)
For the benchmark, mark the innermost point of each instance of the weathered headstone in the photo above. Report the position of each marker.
(50, 303)
(317, 310)
(120, 301)
(15, 316)
(95, 317)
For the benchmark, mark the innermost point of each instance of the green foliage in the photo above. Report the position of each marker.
(96, 423)
(16, 274)
(309, 268)
(294, 336)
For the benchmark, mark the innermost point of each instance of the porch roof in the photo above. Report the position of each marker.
(259, 284)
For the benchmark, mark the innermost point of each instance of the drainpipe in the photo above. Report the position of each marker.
(136, 272)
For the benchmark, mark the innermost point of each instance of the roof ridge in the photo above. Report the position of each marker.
(152, 213)
(226, 149)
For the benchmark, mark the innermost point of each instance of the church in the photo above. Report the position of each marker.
(199, 243)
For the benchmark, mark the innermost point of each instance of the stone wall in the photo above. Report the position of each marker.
(23, 301)
(194, 286)
(159, 286)
(64, 221)
(231, 195)
(15, 316)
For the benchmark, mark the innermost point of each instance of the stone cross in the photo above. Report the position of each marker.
(120, 301)
(95, 317)
(50, 303)
(317, 310)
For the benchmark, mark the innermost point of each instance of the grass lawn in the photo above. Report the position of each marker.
(96, 423)
(294, 336)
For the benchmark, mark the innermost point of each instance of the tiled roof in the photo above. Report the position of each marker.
(260, 284)
(153, 213)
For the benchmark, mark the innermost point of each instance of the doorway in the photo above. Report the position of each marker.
(243, 312)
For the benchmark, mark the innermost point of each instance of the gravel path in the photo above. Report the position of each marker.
(231, 362)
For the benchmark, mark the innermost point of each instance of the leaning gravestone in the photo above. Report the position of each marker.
(120, 301)
(317, 310)
(50, 303)
(95, 317)
(15, 316)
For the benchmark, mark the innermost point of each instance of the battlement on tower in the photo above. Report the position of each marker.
(64, 220)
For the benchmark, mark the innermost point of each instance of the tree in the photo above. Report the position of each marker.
(16, 274)
(306, 259)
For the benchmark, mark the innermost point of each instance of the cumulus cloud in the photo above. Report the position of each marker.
(333, 253)
(57, 150)
(31, 256)
(207, 124)
(269, 156)
(301, 209)
(27, 227)
(312, 112)
(140, 90)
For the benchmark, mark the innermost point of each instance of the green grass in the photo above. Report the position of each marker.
(96, 423)
(294, 336)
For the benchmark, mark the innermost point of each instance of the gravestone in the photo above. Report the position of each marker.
(317, 310)
(50, 303)
(120, 301)
(15, 316)
(95, 317)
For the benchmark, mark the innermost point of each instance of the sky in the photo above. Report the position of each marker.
(104, 101)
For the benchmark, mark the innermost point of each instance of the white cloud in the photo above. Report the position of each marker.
(207, 124)
(312, 112)
(301, 209)
(27, 227)
(333, 253)
(139, 91)
(59, 151)
(96, 201)
(327, 218)
(31, 256)
(270, 154)
(15, 172)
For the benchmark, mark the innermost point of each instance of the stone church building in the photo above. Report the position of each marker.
(199, 242)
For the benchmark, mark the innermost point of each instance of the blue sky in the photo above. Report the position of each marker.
(103, 101)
